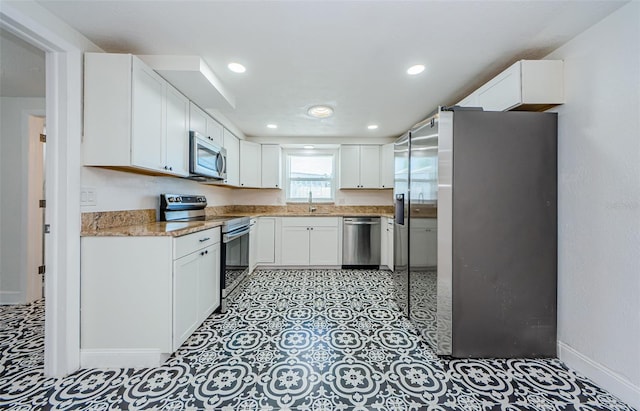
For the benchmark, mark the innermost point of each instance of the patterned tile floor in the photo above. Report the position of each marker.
(308, 340)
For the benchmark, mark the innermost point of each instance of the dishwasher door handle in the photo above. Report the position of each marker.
(347, 222)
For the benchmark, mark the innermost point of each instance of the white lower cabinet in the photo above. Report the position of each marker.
(253, 244)
(386, 243)
(311, 241)
(424, 242)
(266, 240)
(142, 297)
(196, 277)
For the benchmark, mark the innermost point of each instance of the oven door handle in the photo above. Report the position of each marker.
(233, 235)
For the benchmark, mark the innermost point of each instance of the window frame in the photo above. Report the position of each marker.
(310, 153)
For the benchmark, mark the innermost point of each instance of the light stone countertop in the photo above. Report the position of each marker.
(177, 229)
(159, 229)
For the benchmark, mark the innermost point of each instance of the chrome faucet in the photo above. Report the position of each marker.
(311, 207)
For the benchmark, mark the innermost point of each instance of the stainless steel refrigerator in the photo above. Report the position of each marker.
(493, 178)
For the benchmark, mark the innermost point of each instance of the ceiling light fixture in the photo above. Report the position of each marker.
(320, 111)
(372, 126)
(237, 67)
(417, 69)
(272, 126)
(308, 147)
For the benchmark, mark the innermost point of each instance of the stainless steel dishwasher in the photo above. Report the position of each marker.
(361, 241)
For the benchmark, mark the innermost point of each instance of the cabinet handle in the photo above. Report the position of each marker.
(170, 168)
(311, 228)
(202, 240)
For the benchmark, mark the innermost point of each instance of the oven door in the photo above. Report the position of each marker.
(205, 158)
(235, 257)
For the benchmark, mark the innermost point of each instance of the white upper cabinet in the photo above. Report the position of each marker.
(271, 166)
(386, 166)
(133, 118)
(177, 131)
(526, 85)
(146, 117)
(359, 166)
(232, 144)
(204, 124)
(250, 164)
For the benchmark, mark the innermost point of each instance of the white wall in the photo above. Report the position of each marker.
(118, 190)
(599, 204)
(343, 197)
(14, 119)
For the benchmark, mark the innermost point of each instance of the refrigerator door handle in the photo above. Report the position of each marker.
(400, 209)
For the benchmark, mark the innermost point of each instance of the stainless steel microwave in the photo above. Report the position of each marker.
(206, 159)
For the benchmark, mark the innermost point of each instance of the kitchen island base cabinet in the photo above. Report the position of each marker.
(141, 297)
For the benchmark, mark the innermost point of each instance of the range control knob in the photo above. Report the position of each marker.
(178, 199)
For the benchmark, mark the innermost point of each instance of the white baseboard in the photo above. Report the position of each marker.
(11, 298)
(120, 358)
(601, 375)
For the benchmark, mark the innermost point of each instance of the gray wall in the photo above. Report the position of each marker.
(599, 203)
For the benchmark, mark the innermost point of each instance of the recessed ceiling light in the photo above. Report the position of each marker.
(372, 126)
(237, 67)
(272, 126)
(417, 69)
(308, 147)
(320, 111)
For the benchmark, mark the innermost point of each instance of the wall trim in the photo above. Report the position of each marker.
(11, 298)
(119, 358)
(603, 376)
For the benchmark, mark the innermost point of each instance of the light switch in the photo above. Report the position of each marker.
(88, 196)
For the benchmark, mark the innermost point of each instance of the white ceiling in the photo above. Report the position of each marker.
(351, 55)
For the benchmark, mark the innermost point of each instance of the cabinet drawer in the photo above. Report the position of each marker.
(189, 243)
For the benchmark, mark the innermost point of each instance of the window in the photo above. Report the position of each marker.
(310, 172)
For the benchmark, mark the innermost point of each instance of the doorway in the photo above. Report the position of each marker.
(64, 53)
(22, 91)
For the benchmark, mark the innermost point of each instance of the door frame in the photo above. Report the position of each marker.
(64, 130)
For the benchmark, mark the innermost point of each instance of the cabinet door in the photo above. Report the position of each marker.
(209, 281)
(185, 301)
(271, 166)
(386, 166)
(146, 118)
(323, 246)
(502, 92)
(349, 166)
(266, 240)
(384, 246)
(369, 166)
(177, 132)
(197, 119)
(232, 144)
(295, 246)
(390, 249)
(250, 164)
(215, 131)
(253, 247)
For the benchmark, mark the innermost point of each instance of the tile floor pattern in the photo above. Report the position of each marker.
(312, 340)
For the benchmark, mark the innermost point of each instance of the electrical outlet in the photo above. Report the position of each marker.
(88, 196)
